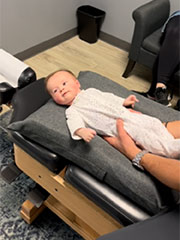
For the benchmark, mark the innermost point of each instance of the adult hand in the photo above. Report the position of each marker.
(134, 111)
(123, 142)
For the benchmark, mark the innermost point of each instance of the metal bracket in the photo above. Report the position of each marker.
(10, 172)
(37, 196)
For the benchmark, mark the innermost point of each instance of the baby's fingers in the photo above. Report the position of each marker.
(133, 97)
(90, 136)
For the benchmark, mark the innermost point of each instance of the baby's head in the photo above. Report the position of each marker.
(63, 86)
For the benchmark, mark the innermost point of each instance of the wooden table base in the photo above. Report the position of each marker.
(84, 216)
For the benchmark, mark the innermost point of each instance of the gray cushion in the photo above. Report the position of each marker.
(152, 42)
(47, 126)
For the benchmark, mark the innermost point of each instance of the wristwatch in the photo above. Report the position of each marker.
(137, 159)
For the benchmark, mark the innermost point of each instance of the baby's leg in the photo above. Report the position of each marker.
(172, 149)
(174, 128)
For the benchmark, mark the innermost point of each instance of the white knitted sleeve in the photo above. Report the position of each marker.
(74, 122)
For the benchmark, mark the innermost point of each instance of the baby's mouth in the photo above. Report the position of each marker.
(65, 93)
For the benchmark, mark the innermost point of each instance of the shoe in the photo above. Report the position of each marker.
(177, 107)
(145, 94)
(161, 96)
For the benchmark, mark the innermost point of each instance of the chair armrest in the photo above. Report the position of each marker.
(148, 18)
(164, 226)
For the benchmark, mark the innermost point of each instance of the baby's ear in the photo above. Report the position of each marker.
(78, 83)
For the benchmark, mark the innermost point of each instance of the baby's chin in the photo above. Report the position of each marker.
(63, 103)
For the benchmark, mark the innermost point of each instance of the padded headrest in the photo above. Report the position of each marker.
(14, 71)
(29, 99)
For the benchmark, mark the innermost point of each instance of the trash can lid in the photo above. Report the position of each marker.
(91, 11)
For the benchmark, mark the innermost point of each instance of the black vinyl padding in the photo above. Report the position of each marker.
(6, 92)
(52, 161)
(123, 210)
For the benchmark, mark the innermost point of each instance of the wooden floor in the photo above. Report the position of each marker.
(100, 57)
(105, 59)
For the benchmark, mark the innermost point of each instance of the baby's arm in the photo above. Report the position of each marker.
(130, 101)
(86, 133)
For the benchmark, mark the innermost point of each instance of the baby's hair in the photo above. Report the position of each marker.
(51, 74)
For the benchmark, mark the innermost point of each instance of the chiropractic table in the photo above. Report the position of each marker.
(90, 186)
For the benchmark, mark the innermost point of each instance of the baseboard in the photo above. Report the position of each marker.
(46, 44)
(115, 41)
(65, 36)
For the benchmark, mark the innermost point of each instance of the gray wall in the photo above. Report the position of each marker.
(27, 23)
(0, 23)
(118, 21)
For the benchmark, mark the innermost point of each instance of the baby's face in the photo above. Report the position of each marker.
(63, 87)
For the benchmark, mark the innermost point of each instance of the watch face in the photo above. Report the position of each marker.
(137, 159)
(137, 165)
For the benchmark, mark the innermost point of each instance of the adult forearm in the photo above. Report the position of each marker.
(164, 169)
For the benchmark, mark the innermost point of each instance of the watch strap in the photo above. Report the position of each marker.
(137, 159)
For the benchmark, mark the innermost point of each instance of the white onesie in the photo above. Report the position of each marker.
(99, 110)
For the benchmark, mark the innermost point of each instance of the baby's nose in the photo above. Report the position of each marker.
(61, 88)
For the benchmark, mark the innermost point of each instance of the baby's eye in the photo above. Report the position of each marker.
(64, 83)
(55, 90)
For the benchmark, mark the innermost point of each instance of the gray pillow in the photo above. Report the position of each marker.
(47, 126)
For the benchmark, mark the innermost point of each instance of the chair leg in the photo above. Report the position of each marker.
(129, 68)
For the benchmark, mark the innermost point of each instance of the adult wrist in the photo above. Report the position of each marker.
(137, 160)
(131, 155)
(143, 159)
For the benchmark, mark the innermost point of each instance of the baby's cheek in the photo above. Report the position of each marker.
(56, 99)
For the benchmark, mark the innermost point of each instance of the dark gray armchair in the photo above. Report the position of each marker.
(149, 19)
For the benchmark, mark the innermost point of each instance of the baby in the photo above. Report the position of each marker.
(92, 111)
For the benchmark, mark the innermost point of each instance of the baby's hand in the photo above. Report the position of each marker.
(130, 101)
(86, 133)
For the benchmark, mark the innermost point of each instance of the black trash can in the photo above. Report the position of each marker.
(90, 20)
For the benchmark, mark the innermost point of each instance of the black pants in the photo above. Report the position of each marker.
(168, 60)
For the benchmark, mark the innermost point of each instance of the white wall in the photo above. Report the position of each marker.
(26, 23)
